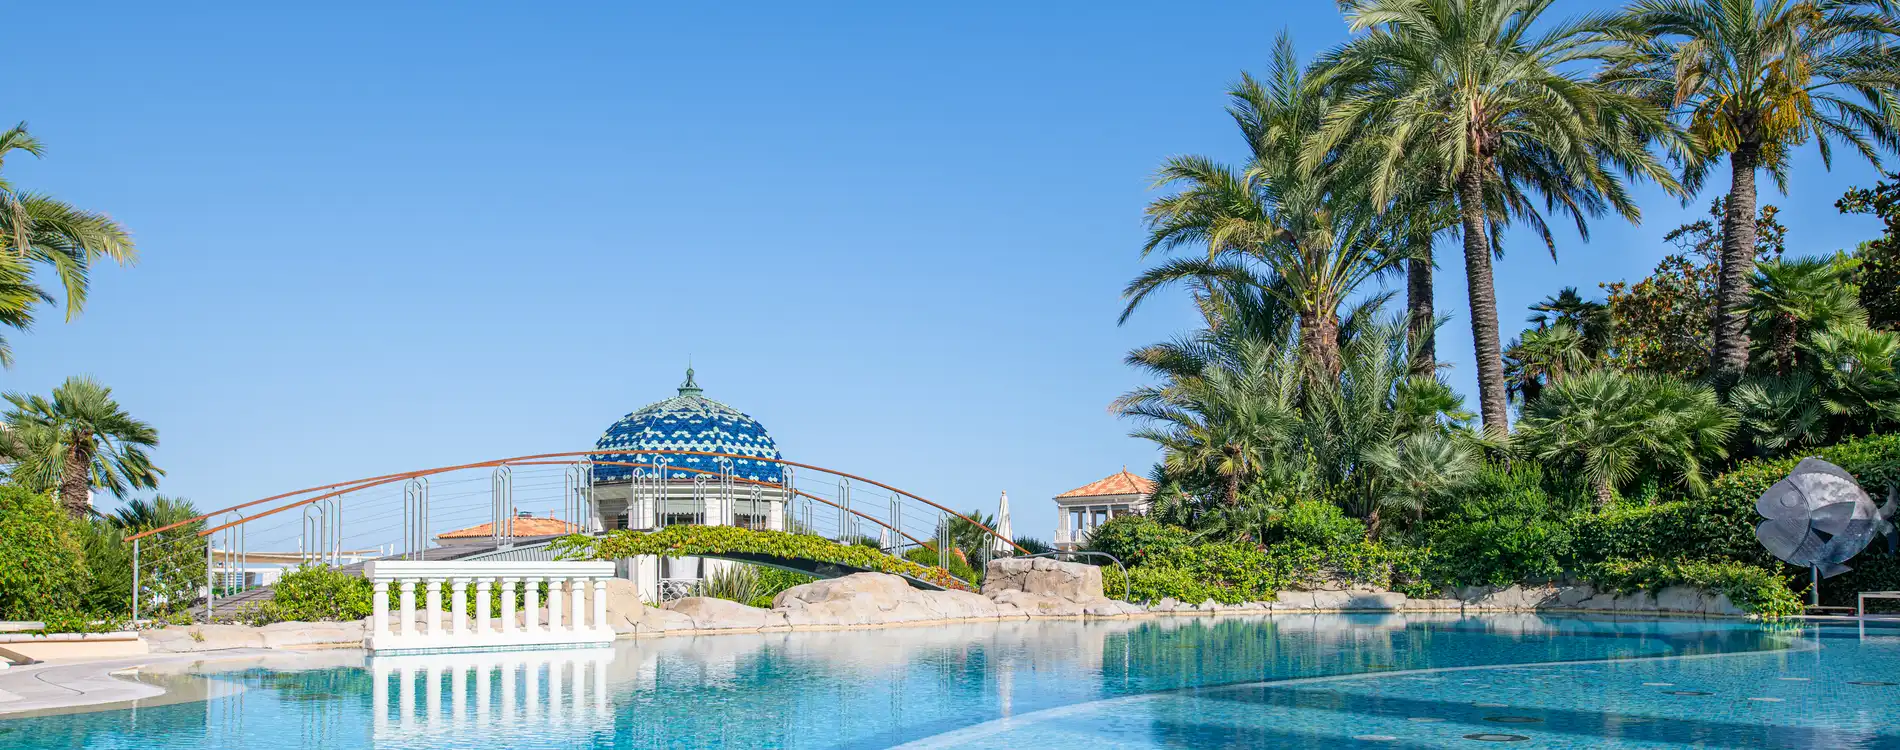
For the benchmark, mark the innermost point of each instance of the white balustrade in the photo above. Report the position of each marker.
(576, 578)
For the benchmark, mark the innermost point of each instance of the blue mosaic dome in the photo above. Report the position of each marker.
(688, 422)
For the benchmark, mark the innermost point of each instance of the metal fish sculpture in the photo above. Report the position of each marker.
(1818, 517)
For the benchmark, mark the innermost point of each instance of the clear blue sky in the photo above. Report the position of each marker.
(389, 236)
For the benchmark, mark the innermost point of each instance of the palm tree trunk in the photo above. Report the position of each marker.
(1418, 307)
(1233, 489)
(73, 484)
(1319, 344)
(1785, 337)
(1738, 268)
(1604, 493)
(1484, 303)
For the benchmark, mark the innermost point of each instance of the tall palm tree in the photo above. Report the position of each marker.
(139, 514)
(1753, 79)
(78, 440)
(1279, 222)
(1802, 295)
(1501, 100)
(37, 229)
(1591, 318)
(1614, 426)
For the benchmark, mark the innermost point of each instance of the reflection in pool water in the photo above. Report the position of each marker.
(1314, 680)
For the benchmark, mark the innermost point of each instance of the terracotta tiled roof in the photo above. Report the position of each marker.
(524, 526)
(1119, 483)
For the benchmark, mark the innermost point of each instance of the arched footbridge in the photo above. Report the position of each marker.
(513, 509)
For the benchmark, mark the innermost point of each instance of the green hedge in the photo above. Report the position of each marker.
(687, 541)
(1135, 538)
(42, 564)
(1231, 573)
(314, 593)
(1751, 588)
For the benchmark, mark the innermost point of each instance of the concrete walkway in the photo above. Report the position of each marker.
(153, 679)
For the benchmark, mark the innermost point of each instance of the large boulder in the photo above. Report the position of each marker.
(708, 613)
(876, 599)
(301, 634)
(1074, 582)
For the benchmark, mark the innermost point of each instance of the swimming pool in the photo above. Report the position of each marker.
(1287, 681)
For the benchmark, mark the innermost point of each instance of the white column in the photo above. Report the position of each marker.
(435, 605)
(600, 605)
(646, 577)
(775, 515)
(458, 609)
(508, 606)
(554, 605)
(379, 617)
(577, 601)
(406, 625)
(531, 605)
(712, 510)
(481, 607)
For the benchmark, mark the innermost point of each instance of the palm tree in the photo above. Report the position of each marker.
(1591, 318)
(1225, 421)
(1541, 357)
(1858, 374)
(79, 439)
(1280, 224)
(1751, 80)
(1793, 297)
(139, 514)
(18, 295)
(1418, 470)
(1614, 426)
(35, 228)
(1501, 102)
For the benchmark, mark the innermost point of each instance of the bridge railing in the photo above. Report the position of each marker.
(209, 564)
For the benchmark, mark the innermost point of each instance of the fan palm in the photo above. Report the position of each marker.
(1591, 318)
(1541, 357)
(35, 228)
(78, 440)
(139, 514)
(1858, 374)
(1614, 426)
(1418, 470)
(1792, 297)
(1498, 99)
(1753, 79)
(1279, 223)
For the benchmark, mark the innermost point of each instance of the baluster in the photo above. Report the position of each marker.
(482, 589)
(508, 605)
(458, 609)
(600, 605)
(406, 624)
(435, 606)
(531, 605)
(379, 616)
(554, 605)
(577, 595)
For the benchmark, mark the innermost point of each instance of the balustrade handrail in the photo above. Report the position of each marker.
(362, 484)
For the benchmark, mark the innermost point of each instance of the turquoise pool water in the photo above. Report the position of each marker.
(1303, 681)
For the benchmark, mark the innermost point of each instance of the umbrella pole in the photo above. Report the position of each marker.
(1814, 590)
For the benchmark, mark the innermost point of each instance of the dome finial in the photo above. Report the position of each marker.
(689, 388)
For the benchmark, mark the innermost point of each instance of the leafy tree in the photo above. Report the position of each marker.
(1752, 80)
(1664, 324)
(36, 229)
(1498, 98)
(1792, 297)
(1279, 224)
(1614, 427)
(1878, 260)
(42, 567)
(77, 440)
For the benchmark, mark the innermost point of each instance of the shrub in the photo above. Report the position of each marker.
(108, 567)
(1753, 589)
(1133, 539)
(1231, 573)
(1316, 522)
(42, 565)
(314, 593)
(1506, 529)
(687, 541)
(927, 557)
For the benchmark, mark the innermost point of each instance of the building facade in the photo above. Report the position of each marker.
(1081, 510)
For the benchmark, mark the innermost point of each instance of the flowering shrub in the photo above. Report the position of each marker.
(689, 541)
